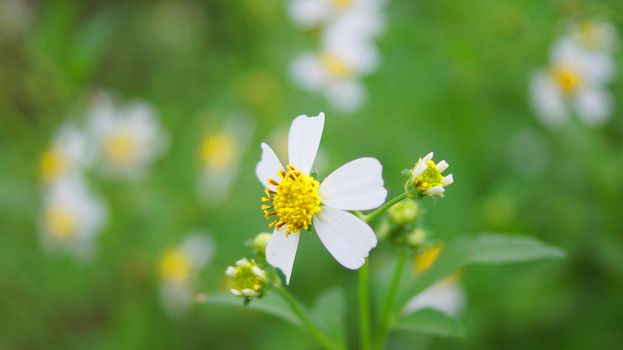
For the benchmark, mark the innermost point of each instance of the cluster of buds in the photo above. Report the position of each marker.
(247, 279)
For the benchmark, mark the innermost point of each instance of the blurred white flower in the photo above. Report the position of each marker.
(446, 295)
(128, 139)
(315, 13)
(336, 71)
(574, 82)
(220, 153)
(594, 35)
(179, 268)
(68, 155)
(72, 217)
(294, 199)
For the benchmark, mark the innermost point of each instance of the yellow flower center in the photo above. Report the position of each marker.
(52, 165)
(175, 267)
(342, 3)
(294, 201)
(61, 223)
(120, 147)
(427, 258)
(217, 151)
(568, 80)
(431, 177)
(335, 66)
(245, 278)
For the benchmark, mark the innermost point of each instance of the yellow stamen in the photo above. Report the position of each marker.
(567, 79)
(335, 66)
(120, 147)
(52, 165)
(217, 151)
(60, 222)
(431, 177)
(175, 267)
(294, 202)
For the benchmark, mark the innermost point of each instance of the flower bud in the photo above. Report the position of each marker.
(247, 279)
(417, 237)
(259, 243)
(404, 212)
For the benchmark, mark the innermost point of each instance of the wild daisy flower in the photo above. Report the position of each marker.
(219, 155)
(446, 295)
(427, 179)
(247, 279)
(294, 200)
(335, 71)
(315, 13)
(67, 156)
(178, 269)
(72, 217)
(128, 139)
(594, 35)
(574, 82)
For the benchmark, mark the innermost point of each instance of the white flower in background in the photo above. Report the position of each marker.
(427, 178)
(128, 139)
(335, 72)
(68, 155)
(72, 217)
(220, 153)
(595, 36)
(574, 82)
(315, 13)
(294, 200)
(446, 295)
(179, 268)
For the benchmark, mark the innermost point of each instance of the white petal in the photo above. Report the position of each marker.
(235, 292)
(346, 96)
(268, 166)
(435, 191)
(249, 292)
(303, 141)
(231, 271)
(444, 296)
(441, 166)
(448, 180)
(546, 99)
(594, 106)
(356, 185)
(281, 250)
(345, 236)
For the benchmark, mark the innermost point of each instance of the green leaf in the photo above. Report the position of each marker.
(329, 314)
(485, 248)
(271, 304)
(430, 321)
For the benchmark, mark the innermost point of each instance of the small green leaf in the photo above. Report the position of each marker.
(329, 312)
(430, 321)
(271, 304)
(486, 248)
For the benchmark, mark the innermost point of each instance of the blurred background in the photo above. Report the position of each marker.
(453, 77)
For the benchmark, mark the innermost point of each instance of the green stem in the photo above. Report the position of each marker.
(313, 330)
(364, 308)
(373, 215)
(390, 299)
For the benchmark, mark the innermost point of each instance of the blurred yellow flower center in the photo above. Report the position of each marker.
(431, 177)
(120, 147)
(568, 80)
(52, 165)
(335, 66)
(427, 258)
(175, 267)
(217, 151)
(342, 3)
(294, 201)
(61, 223)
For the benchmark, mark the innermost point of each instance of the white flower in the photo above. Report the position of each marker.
(596, 35)
(128, 139)
(295, 200)
(179, 268)
(68, 156)
(335, 72)
(220, 154)
(574, 82)
(314, 13)
(427, 178)
(72, 217)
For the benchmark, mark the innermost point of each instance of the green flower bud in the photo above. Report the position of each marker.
(247, 279)
(417, 237)
(259, 243)
(404, 212)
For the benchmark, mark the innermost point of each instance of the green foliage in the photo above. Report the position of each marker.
(433, 322)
